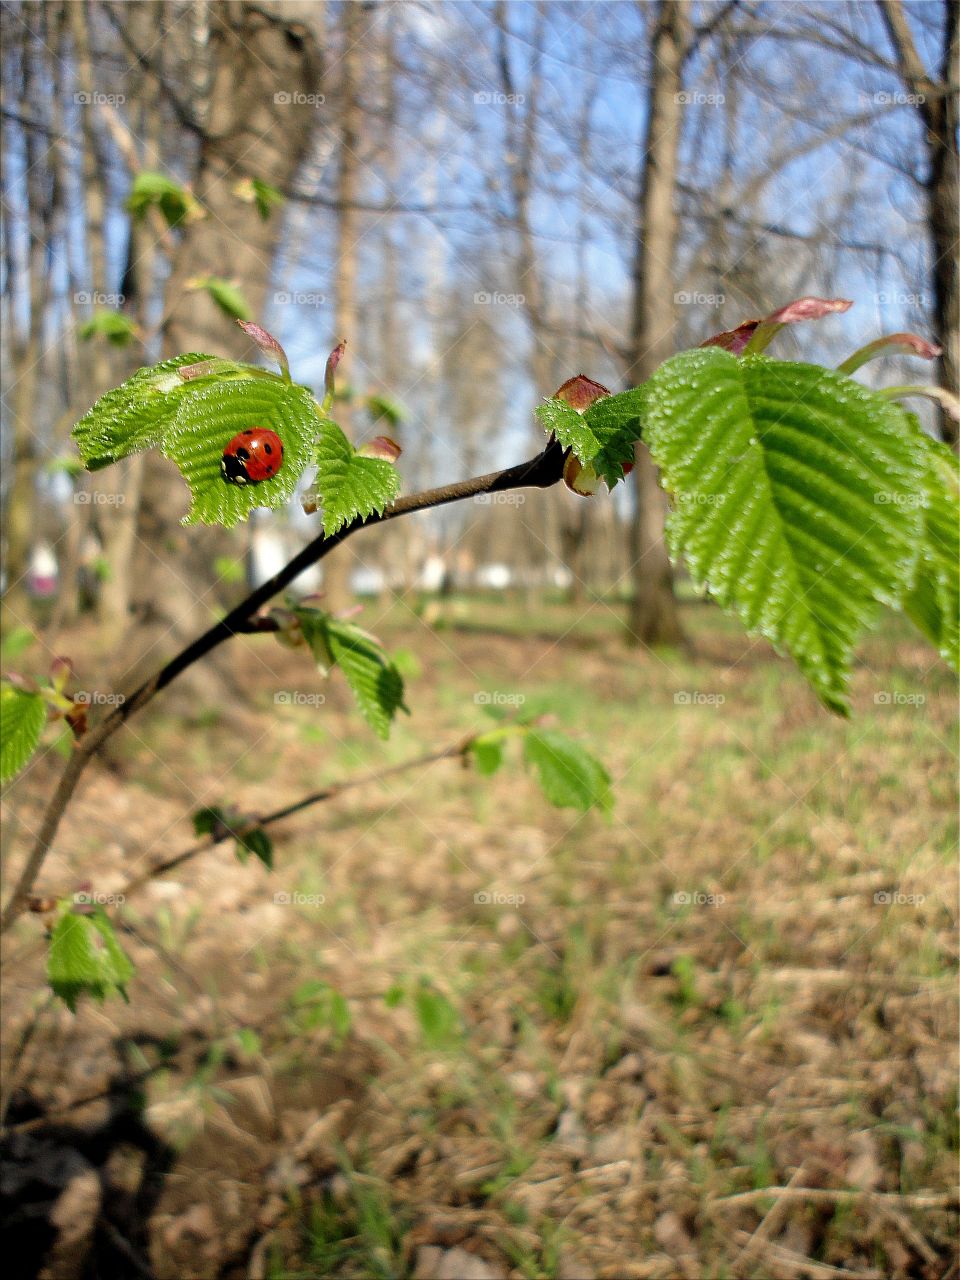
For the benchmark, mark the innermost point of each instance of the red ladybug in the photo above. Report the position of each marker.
(252, 456)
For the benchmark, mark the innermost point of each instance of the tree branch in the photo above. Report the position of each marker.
(541, 472)
(454, 750)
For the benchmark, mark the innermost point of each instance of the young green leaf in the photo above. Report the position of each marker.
(348, 484)
(934, 603)
(796, 499)
(487, 752)
(375, 681)
(117, 328)
(569, 776)
(208, 419)
(133, 416)
(603, 435)
(174, 201)
(440, 1024)
(262, 194)
(85, 958)
(212, 820)
(22, 717)
(257, 842)
(228, 297)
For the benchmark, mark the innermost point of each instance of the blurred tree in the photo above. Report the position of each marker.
(354, 21)
(936, 96)
(654, 619)
(246, 88)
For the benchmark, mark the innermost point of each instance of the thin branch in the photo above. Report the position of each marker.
(540, 472)
(455, 750)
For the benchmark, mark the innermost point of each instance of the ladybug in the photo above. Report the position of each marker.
(252, 456)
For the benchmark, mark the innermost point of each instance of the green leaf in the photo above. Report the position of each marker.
(350, 486)
(210, 820)
(616, 422)
(603, 435)
(487, 752)
(156, 189)
(257, 842)
(375, 681)
(796, 498)
(22, 717)
(16, 642)
(228, 297)
(85, 958)
(383, 408)
(208, 419)
(934, 603)
(569, 776)
(133, 416)
(262, 194)
(116, 327)
(439, 1021)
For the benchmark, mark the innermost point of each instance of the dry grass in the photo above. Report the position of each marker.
(742, 982)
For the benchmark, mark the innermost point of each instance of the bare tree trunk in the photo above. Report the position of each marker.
(654, 619)
(337, 570)
(29, 357)
(938, 103)
(259, 121)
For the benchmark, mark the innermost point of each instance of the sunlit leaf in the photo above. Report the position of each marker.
(22, 717)
(796, 499)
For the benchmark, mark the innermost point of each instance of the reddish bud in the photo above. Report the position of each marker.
(733, 339)
(755, 335)
(579, 479)
(61, 672)
(808, 309)
(267, 344)
(904, 344)
(580, 392)
(77, 720)
(334, 358)
(381, 447)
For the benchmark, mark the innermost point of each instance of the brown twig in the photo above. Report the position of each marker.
(540, 472)
(226, 832)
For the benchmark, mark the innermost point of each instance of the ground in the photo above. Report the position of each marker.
(743, 980)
